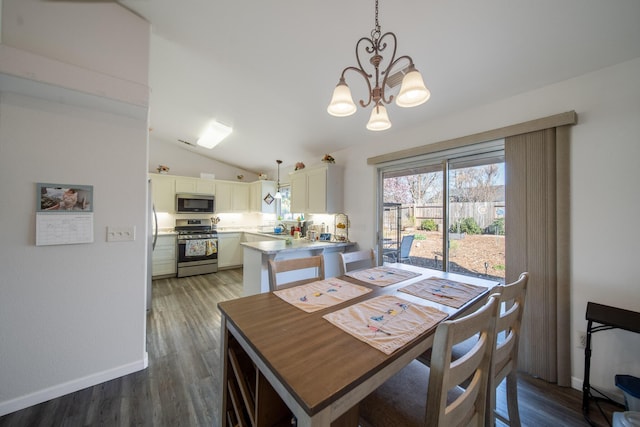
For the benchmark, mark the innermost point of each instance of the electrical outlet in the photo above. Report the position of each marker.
(582, 339)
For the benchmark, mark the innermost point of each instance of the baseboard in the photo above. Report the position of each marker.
(576, 383)
(71, 386)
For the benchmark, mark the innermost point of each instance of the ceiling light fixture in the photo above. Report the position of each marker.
(413, 92)
(278, 194)
(214, 133)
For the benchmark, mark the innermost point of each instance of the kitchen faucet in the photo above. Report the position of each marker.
(284, 227)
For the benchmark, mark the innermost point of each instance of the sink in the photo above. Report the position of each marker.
(271, 233)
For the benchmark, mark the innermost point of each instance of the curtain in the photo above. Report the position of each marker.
(537, 236)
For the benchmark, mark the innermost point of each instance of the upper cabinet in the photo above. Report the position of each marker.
(163, 189)
(195, 185)
(317, 189)
(232, 196)
(260, 190)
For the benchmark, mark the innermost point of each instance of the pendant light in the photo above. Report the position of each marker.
(278, 194)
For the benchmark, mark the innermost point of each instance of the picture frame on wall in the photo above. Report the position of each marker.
(61, 198)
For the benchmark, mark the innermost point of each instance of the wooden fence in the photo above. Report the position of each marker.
(484, 213)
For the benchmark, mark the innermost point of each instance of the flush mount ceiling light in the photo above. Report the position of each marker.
(413, 92)
(215, 133)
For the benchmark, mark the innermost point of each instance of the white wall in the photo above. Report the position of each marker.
(183, 162)
(605, 148)
(71, 316)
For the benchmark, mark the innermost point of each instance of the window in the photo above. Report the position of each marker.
(452, 203)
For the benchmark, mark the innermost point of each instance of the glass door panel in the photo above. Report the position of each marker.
(476, 219)
(412, 212)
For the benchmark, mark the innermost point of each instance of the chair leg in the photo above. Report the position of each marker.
(512, 399)
(490, 411)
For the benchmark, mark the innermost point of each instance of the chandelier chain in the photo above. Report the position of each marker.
(375, 33)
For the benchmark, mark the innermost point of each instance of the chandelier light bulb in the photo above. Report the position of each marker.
(341, 104)
(379, 119)
(413, 91)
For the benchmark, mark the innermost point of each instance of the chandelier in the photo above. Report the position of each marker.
(413, 92)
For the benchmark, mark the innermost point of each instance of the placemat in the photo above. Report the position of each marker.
(315, 296)
(444, 291)
(382, 276)
(386, 322)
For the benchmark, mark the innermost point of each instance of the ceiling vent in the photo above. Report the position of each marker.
(187, 143)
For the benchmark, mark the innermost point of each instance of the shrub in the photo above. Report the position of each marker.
(419, 237)
(429, 225)
(496, 228)
(467, 225)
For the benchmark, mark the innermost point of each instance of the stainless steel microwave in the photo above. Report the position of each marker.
(195, 203)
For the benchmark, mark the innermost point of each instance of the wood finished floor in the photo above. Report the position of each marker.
(181, 385)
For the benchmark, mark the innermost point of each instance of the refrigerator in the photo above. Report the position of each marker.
(152, 237)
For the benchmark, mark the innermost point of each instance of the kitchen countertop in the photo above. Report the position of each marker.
(279, 246)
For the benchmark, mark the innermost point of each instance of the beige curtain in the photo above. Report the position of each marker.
(537, 232)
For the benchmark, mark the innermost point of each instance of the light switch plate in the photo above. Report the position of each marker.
(121, 234)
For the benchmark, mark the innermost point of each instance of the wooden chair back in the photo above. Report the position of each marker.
(314, 265)
(505, 356)
(364, 259)
(469, 408)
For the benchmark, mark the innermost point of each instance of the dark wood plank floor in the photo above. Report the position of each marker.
(181, 385)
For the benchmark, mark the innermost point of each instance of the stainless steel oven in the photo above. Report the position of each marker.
(197, 247)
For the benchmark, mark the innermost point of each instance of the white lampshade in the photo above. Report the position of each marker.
(379, 119)
(278, 195)
(413, 92)
(341, 104)
(215, 133)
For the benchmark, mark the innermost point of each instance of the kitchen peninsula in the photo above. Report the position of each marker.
(257, 255)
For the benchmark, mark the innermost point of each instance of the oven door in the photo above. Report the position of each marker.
(193, 250)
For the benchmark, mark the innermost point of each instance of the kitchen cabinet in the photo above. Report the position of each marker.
(232, 196)
(229, 250)
(195, 185)
(163, 192)
(163, 259)
(317, 189)
(257, 192)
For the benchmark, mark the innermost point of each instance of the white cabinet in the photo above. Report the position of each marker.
(163, 260)
(317, 190)
(195, 185)
(232, 196)
(258, 191)
(229, 250)
(163, 192)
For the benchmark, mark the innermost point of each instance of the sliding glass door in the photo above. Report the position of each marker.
(446, 212)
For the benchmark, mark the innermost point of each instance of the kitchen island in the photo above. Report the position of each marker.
(257, 255)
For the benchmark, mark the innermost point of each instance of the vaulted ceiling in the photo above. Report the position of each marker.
(268, 68)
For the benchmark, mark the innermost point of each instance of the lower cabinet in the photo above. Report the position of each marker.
(163, 260)
(229, 250)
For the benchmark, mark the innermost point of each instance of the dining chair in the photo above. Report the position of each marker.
(286, 273)
(505, 356)
(431, 396)
(358, 259)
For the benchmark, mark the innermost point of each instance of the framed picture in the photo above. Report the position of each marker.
(64, 198)
(325, 236)
(268, 198)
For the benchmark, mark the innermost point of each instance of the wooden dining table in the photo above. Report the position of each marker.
(281, 362)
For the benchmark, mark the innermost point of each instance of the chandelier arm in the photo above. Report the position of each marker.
(369, 49)
(387, 72)
(365, 76)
